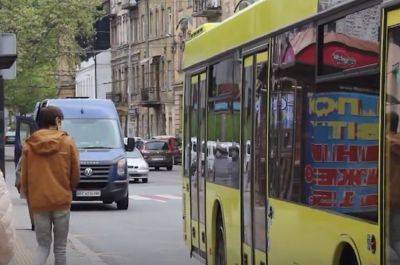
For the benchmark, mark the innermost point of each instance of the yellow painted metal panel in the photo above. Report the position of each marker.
(247, 250)
(256, 21)
(202, 244)
(248, 62)
(195, 235)
(294, 225)
(393, 17)
(259, 257)
(186, 211)
(262, 57)
(230, 203)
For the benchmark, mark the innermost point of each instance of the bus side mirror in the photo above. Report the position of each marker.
(130, 145)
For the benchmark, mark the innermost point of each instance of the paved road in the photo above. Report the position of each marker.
(149, 232)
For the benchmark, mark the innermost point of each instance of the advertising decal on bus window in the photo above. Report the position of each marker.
(341, 152)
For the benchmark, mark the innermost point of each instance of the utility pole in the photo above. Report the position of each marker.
(147, 64)
(8, 55)
(95, 75)
(2, 140)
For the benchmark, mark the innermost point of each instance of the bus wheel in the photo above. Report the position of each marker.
(220, 258)
(348, 256)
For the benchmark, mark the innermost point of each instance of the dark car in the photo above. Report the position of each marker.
(156, 154)
(173, 147)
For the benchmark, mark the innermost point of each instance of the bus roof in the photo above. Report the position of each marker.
(85, 108)
(256, 21)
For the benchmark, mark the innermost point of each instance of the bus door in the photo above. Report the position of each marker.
(197, 160)
(391, 136)
(254, 135)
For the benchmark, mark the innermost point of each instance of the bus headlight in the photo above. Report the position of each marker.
(121, 165)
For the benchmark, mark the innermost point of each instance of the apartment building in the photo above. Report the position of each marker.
(189, 15)
(142, 65)
(147, 44)
(93, 76)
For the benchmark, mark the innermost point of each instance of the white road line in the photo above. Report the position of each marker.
(141, 198)
(168, 196)
(81, 247)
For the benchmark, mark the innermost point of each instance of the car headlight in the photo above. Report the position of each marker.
(121, 165)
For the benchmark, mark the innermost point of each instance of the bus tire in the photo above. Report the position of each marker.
(348, 256)
(220, 258)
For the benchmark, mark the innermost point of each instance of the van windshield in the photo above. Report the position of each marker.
(93, 133)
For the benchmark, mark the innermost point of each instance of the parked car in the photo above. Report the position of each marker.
(10, 137)
(157, 154)
(173, 147)
(137, 166)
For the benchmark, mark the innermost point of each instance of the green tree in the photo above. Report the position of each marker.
(46, 31)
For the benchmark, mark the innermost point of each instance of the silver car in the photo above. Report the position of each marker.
(137, 166)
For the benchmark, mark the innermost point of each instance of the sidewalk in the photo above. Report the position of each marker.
(77, 253)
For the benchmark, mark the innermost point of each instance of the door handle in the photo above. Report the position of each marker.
(270, 212)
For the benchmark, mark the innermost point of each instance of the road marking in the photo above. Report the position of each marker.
(81, 247)
(170, 197)
(145, 198)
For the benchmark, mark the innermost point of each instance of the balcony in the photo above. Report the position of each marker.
(130, 4)
(150, 97)
(114, 97)
(207, 8)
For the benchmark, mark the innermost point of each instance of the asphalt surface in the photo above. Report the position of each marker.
(149, 232)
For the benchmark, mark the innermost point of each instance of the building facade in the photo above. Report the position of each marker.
(93, 77)
(147, 42)
(189, 15)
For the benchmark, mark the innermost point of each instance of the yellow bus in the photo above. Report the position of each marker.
(291, 135)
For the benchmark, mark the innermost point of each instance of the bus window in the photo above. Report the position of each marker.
(260, 148)
(392, 143)
(351, 42)
(223, 121)
(323, 137)
(248, 80)
(194, 114)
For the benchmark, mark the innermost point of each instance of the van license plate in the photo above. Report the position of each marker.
(157, 158)
(88, 193)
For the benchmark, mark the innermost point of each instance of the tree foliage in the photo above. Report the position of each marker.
(46, 31)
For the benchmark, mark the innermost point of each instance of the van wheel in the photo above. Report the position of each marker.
(124, 203)
(169, 168)
(220, 258)
(144, 180)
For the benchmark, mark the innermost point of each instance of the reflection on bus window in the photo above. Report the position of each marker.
(223, 121)
(352, 42)
(260, 148)
(323, 138)
(392, 143)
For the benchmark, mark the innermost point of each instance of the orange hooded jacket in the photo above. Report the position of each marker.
(50, 170)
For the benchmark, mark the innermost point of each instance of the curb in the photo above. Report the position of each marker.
(22, 255)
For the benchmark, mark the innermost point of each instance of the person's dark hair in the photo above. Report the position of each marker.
(48, 115)
(394, 122)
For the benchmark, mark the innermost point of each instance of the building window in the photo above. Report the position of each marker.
(143, 30)
(162, 26)
(156, 24)
(170, 24)
(170, 72)
(170, 129)
(190, 3)
(151, 25)
(162, 75)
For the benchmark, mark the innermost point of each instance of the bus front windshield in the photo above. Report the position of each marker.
(93, 133)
